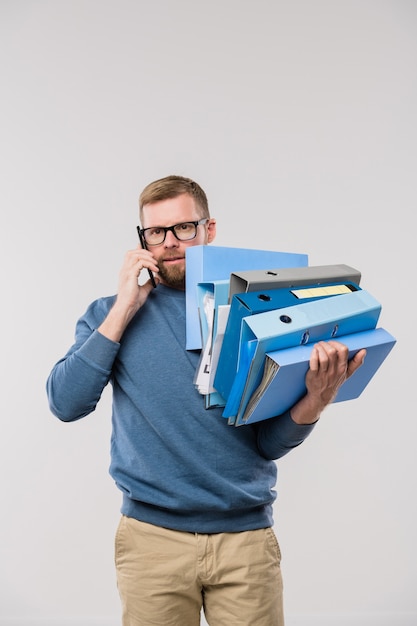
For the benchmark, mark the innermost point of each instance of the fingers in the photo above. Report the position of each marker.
(331, 355)
(138, 260)
(327, 355)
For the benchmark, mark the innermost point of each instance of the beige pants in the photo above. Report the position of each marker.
(165, 577)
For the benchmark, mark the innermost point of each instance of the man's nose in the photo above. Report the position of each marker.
(170, 240)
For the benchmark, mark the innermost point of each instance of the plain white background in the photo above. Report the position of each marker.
(299, 120)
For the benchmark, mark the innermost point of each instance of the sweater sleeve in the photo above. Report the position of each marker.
(279, 435)
(76, 381)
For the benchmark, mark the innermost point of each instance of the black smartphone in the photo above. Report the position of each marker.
(143, 244)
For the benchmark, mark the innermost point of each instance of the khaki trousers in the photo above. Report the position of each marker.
(166, 577)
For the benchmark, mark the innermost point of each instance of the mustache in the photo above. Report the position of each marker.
(170, 257)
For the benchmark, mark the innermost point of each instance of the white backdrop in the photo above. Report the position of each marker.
(299, 120)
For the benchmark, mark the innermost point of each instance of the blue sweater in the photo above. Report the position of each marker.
(177, 464)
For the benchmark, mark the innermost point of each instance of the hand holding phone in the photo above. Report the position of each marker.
(143, 244)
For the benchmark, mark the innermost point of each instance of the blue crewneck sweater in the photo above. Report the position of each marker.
(177, 464)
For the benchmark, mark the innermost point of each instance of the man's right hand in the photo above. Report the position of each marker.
(130, 296)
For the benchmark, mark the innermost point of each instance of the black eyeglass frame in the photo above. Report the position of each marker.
(195, 223)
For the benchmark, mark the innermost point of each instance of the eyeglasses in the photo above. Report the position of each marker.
(185, 231)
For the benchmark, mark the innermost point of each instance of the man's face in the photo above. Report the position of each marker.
(170, 255)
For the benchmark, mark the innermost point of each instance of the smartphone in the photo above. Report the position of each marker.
(143, 244)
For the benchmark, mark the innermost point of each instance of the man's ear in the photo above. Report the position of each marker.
(211, 230)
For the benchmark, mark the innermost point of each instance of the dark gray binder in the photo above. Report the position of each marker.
(258, 280)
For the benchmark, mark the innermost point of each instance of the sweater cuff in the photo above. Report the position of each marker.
(297, 430)
(278, 435)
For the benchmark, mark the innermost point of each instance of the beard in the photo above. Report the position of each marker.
(172, 276)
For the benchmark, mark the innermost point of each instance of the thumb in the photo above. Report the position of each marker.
(149, 283)
(355, 362)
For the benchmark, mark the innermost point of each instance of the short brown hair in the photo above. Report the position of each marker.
(171, 187)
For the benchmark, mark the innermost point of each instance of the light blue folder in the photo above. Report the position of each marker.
(207, 263)
(319, 320)
(288, 367)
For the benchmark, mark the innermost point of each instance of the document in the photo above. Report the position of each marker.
(210, 296)
(214, 398)
(283, 380)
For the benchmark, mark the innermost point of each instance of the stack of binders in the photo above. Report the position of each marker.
(257, 329)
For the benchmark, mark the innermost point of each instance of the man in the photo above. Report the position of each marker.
(196, 526)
